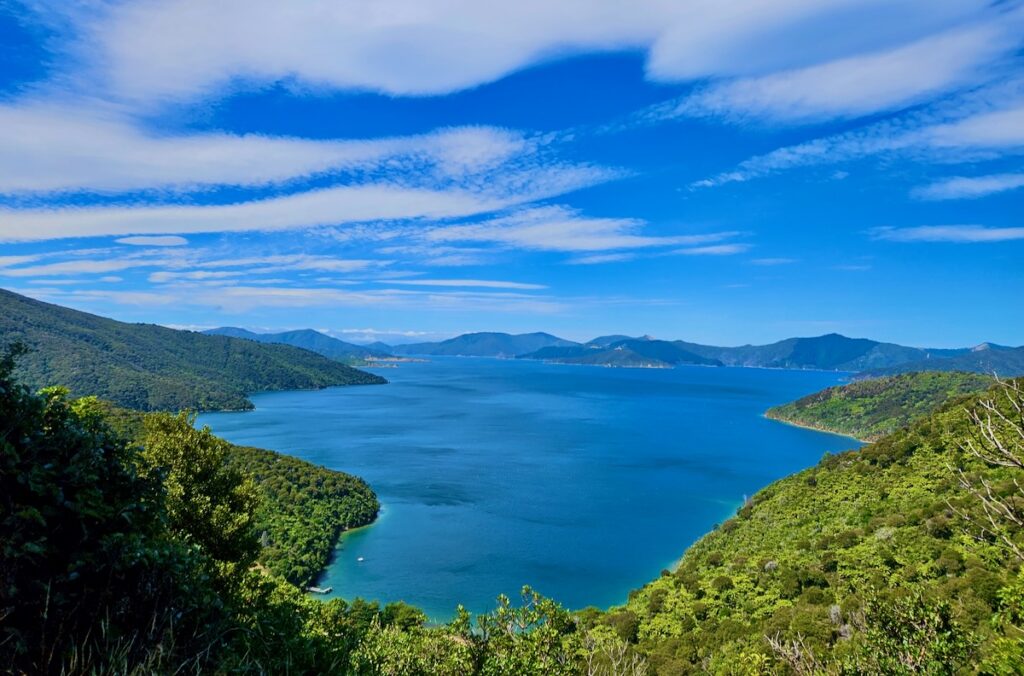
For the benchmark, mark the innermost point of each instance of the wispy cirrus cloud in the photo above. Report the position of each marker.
(182, 49)
(559, 228)
(862, 84)
(969, 187)
(598, 259)
(329, 206)
(165, 240)
(469, 283)
(714, 250)
(54, 147)
(964, 234)
(242, 298)
(987, 124)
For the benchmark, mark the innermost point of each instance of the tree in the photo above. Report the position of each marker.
(209, 503)
(998, 441)
(88, 580)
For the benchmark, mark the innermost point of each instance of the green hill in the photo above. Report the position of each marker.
(870, 409)
(635, 353)
(302, 508)
(307, 339)
(882, 561)
(149, 367)
(862, 564)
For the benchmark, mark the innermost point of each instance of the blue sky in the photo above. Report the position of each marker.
(723, 172)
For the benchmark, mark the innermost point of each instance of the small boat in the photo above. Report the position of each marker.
(320, 590)
(360, 559)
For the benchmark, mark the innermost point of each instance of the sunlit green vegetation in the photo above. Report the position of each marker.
(851, 566)
(144, 559)
(303, 510)
(149, 367)
(121, 559)
(870, 409)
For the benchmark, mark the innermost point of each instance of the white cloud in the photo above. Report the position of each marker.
(8, 261)
(157, 240)
(949, 233)
(558, 228)
(49, 147)
(469, 283)
(989, 124)
(330, 206)
(280, 262)
(598, 259)
(186, 48)
(714, 250)
(75, 267)
(244, 298)
(194, 275)
(865, 83)
(969, 187)
(1002, 128)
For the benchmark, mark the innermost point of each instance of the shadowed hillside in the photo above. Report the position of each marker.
(150, 367)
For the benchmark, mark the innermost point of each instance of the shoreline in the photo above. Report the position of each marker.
(815, 428)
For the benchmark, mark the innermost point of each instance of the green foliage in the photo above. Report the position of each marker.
(307, 339)
(116, 559)
(87, 572)
(302, 510)
(911, 635)
(209, 503)
(874, 551)
(871, 409)
(149, 367)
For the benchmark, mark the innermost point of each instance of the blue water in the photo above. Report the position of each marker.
(584, 482)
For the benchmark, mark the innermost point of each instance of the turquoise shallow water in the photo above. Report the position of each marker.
(584, 482)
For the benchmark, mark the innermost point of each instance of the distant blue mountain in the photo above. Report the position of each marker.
(831, 352)
(484, 345)
(1007, 362)
(308, 339)
(631, 352)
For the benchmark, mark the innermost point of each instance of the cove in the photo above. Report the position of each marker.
(583, 482)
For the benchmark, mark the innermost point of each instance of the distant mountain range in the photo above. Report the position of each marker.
(307, 339)
(832, 352)
(484, 345)
(985, 358)
(631, 352)
(150, 367)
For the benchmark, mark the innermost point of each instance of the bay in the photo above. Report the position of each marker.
(583, 482)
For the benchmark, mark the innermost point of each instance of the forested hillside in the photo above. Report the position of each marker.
(882, 561)
(149, 367)
(117, 559)
(636, 353)
(870, 409)
(878, 561)
(302, 508)
(307, 339)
